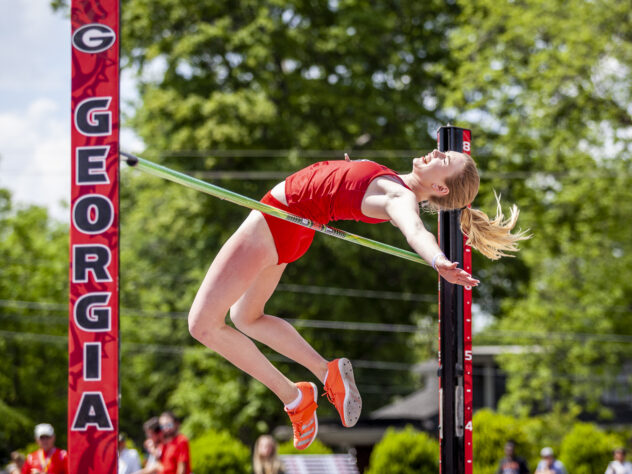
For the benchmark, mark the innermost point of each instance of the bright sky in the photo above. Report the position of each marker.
(35, 105)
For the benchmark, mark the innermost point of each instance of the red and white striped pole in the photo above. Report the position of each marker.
(93, 333)
(455, 333)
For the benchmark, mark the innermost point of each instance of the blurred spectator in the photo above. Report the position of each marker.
(17, 461)
(47, 459)
(264, 457)
(511, 463)
(619, 465)
(153, 446)
(176, 457)
(548, 464)
(128, 459)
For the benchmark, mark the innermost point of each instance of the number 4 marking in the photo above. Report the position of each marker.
(469, 426)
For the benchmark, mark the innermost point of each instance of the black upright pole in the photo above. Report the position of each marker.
(451, 320)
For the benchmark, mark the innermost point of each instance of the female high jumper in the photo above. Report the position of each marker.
(248, 267)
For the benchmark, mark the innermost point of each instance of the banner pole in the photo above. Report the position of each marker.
(93, 325)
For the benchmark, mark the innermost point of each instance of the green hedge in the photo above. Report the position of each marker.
(405, 452)
(218, 451)
(582, 447)
(491, 432)
(587, 449)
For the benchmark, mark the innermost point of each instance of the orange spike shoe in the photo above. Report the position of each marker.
(303, 418)
(342, 392)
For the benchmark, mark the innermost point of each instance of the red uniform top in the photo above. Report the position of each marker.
(333, 190)
(55, 463)
(174, 452)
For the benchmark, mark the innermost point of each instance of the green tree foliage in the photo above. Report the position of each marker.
(218, 451)
(548, 429)
(267, 75)
(406, 451)
(33, 351)
(254, 76)
(583, 447)
(587, 449)
(286, 74)
(224, 396)
(545, 83)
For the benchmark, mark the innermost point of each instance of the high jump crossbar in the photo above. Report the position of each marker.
(231, 196)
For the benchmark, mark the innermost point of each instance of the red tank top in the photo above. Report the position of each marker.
(333, 190)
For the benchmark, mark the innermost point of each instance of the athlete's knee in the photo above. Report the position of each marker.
(242, 317)
(196, 325)
(203, 326)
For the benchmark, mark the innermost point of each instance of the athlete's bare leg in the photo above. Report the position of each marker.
(276, 333)
(248, 259)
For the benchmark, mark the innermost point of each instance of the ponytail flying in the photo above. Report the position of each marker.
(491, 237)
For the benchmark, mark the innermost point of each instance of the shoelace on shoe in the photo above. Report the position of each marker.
(330, 397)
(329, 392)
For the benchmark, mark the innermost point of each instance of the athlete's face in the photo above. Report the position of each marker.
(437, 167)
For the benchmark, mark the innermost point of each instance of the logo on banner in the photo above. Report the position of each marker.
(93, 38)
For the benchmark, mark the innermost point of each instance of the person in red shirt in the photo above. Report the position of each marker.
(47, 459)
(175, 457)
(248, 267)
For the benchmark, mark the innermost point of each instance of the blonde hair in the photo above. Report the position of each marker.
(491, 237)
(266, 465)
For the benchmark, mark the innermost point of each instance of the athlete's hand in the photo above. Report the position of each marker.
(449, 271)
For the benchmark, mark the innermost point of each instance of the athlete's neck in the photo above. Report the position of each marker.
(416, 186)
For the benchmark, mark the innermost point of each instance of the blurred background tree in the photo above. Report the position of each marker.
(33, 347)
(543, 85)
(546, 84)
(221, 83)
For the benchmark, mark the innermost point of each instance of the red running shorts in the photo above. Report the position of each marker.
(291, 240)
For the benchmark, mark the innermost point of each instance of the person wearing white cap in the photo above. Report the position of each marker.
(548, 464)
(47, 459)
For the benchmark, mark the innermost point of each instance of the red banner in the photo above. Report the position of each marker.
(93, 335)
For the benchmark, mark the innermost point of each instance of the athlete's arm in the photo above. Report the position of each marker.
(402, 208)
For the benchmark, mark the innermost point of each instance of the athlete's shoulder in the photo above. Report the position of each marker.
(368, 165)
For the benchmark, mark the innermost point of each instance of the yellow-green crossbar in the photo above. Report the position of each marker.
(225, 194)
